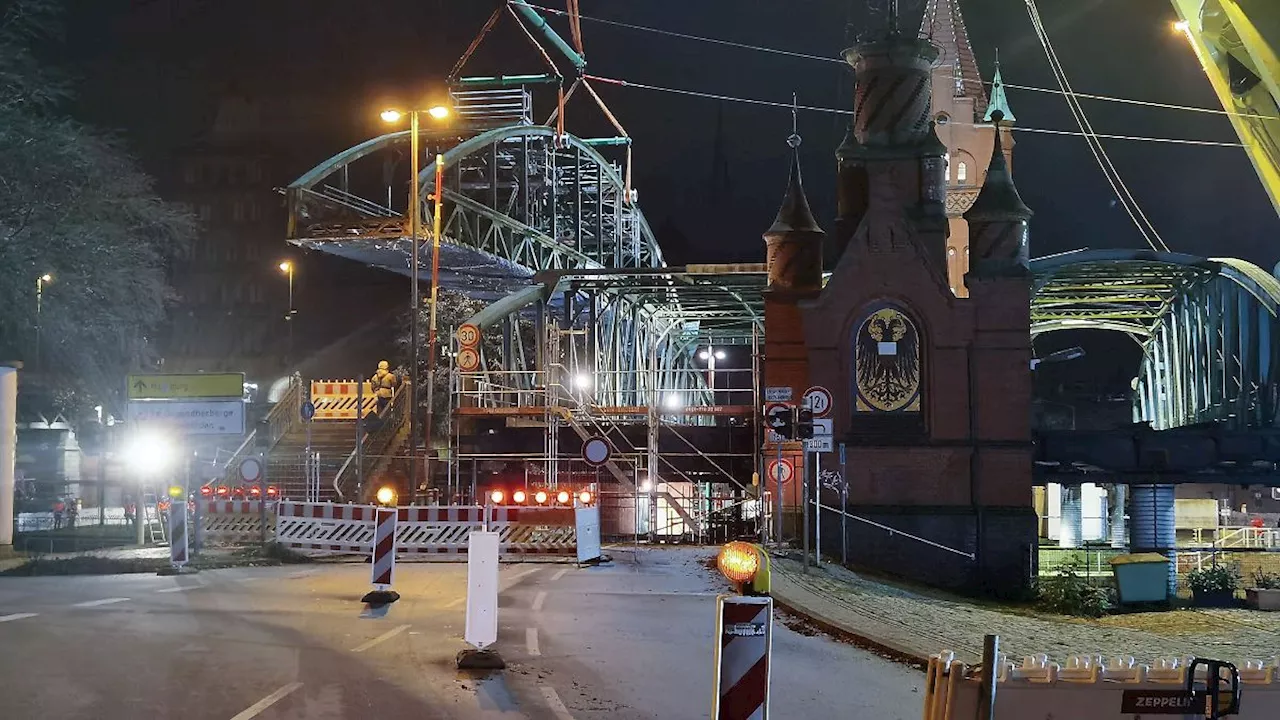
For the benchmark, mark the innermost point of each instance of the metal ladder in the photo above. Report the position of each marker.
(149, 511)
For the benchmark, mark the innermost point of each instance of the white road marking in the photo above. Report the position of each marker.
(180, 588)
(17, 616)
(557, 708)
(104, 601)
(538, 599)
(381, 638)
(301, 574)
(256, 709)
(521, 575)
(531, 641)
(560, 574)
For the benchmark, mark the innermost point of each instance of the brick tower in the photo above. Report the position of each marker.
(932, 391)
(794, 256)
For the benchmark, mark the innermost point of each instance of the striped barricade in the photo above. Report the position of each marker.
(545, 531)
(337, 399)
(225, 522)
(324, 526)
(429, 532)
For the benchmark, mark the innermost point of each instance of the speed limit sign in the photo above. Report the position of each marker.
(468, 335)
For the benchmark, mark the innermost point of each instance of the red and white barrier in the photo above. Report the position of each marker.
(232, 521)
(435, 532)
(178, 534)
(744, 634)
(384, 549)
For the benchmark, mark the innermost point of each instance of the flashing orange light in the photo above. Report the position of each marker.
(224, 491)
(518, 496)
(738, 561)
(255, 491)
(238, 492)
(540, 497)
(272, 491)
(562, 497)
(585, 497)
(497, 496)
(206, 491)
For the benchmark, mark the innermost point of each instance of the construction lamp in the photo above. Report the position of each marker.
(175, 491)
(386, 495)
(540, 497)
(255, 491)
(272, 491)
(497, 496)
(518, 496)
(746, 566)
(562, 497)
(206, 491)
(224, 491)
(585, 497)
(238, 492)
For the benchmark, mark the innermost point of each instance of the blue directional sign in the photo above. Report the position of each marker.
(308, 410)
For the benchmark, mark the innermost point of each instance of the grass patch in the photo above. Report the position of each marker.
(86, 565)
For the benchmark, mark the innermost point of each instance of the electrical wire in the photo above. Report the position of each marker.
(837, 61)
(1140, 220)
(836, 111)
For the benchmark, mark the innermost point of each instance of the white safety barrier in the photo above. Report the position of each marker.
(232, 521)
(1092, 688)
(435, 532)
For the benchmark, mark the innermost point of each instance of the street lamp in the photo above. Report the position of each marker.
(41, 281)
(711, 355)
(287, 268)
(438, 112)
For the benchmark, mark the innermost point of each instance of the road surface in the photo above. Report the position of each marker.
(627, 641)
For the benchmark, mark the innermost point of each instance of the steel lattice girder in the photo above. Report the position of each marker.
(1206, 327)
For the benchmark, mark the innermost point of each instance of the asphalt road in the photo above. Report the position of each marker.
(631, 640)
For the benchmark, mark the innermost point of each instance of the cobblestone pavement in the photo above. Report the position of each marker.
(918, 623)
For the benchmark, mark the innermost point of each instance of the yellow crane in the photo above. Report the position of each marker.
(1236, 41)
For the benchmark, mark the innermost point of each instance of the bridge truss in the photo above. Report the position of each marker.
(587, 329)
(1206, 327)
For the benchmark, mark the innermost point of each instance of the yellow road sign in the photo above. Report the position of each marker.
(199, 385)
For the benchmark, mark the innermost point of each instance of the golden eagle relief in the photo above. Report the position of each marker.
(886, 360)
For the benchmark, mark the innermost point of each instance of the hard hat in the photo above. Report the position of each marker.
(383, 365)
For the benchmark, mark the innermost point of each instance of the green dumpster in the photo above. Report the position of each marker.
(1141, 578)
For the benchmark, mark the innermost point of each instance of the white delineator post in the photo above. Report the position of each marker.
(481, 629)
(8, 451)
(744, 640)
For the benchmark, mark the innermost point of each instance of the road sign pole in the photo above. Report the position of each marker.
(804, 500)
(777, 487)
(844, 510)
(817, 509)
(262, 496)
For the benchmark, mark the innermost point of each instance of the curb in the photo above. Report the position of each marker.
(847, 633)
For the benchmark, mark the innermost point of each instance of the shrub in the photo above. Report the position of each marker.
(1214, 579)
(1265, 580)
(1070, 593)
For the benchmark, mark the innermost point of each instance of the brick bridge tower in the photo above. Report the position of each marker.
(932, 392)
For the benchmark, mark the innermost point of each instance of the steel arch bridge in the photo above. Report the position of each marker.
(1206, 327)
(537, 223)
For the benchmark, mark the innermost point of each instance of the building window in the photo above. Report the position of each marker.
(962, 172)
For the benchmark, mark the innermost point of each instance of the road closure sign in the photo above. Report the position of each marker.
(190, 418)
(188, 386)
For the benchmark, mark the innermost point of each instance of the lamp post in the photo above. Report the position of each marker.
(41, 281)
(287, 268)
(711, 355)
(438, 112)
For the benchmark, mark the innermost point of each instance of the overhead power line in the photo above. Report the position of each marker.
(837, 61)
(836, 111)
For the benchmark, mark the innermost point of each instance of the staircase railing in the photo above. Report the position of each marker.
(374, 443)
(279, 421)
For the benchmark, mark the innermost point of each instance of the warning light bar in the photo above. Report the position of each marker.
(206, 491)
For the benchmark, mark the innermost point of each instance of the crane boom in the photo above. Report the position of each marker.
(1236, 41)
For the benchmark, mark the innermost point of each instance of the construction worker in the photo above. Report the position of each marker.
(384, 384)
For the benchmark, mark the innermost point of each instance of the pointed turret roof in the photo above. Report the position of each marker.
(999, 198)
(794, 216)
(944, 25)
(999, 101)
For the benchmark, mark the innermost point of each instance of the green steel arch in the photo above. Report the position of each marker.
(1206, 327)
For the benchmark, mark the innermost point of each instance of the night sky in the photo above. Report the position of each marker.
(155, 70)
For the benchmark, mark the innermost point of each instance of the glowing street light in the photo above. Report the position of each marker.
(386, 495)
(149, 453)
(41, 281)
(287, 268)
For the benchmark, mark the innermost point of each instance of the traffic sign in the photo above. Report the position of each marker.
(819, 443)
(308, 410)
(468, 335)
(250, 469)
(823, 426)
(777, 417)
(777, 394)
(596, 451)
(781, 471)
(185, 417)
(468, 359)
(819, 400)
(177, 387)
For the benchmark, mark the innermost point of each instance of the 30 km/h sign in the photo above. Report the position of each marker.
(468, 335)
(177, 387)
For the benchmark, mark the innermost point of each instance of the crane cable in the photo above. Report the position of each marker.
(1139, 218)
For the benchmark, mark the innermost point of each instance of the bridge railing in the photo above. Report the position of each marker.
(279, 421)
